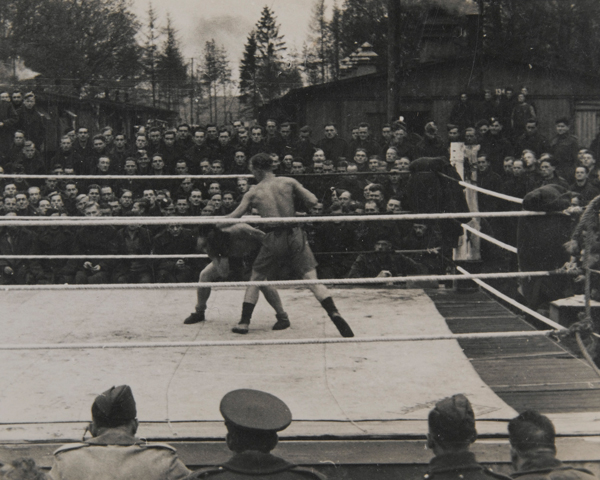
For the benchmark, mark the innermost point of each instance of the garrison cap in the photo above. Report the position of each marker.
(255, 410)
(115, 407)
(453, 420)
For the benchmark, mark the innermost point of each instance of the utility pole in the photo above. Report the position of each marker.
(394, 61)
(192, 94)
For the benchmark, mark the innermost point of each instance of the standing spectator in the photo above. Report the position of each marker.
(495, 146)
(462, 114)
(548, 167)
(332, 145)
(431, 145)
(31, 121)
(522, 114)
(8, 123)
(257, 143)
(451, 432)
(82, 145)
(113, 451)
(364, 141)
(488, 108)
(564, 147)
(532, 139)
(533, 451)
(304, 148)
(16, 99)
(489, 180)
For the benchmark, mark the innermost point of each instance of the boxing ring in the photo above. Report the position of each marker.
(63, 344)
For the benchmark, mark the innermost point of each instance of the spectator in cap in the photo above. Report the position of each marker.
(253, 419)
(431, 145)
(114, 452)
(451, 432)
(533, 452)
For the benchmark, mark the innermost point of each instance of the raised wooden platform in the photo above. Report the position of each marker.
(526, 373)
(350, 443)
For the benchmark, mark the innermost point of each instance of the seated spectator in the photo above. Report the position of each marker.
(173, 240)
(548, 173)
(133, 240)
(24, 209)
(384, 262)
(18, 241)
(91, 241)
(583, 187)
(229, 203)
(533, 451)
(252, 419)
(451, 432)
(113, 451)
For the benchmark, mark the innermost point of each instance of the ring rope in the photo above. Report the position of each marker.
(301, 341)
(507, 299)
(72, 176)
(506, 246)
(116, 257)
(79, 221)
(286, 283)
(509, 198)
(187, 255)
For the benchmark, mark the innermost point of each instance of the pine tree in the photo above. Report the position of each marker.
(215, 72)
(335, 41)
(150, 54)
(319, 39)
(270, 47)
(172, 69)
(248, 76)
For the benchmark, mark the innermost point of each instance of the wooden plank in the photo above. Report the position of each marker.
(525, 373)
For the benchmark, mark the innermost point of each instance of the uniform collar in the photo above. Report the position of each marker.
(254, 462)
(114, 437)
(543, 460)
(452, 461)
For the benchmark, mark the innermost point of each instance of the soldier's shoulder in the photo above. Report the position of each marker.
(70, 447)
(309, 473)
(498, 476)
(164, 446)
(205, 473)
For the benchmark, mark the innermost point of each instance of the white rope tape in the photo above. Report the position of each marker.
(79, 221)
(474, 231)
(513, 302)
(301, 341)
(116, 257)
(492, 193)
(282, 283)
(126, 177)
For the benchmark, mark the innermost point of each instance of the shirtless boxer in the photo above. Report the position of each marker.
(283, 243)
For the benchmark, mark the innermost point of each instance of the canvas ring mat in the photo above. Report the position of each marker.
(338, 382)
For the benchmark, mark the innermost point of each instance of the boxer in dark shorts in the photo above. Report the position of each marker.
(283, 244)
(231, 249)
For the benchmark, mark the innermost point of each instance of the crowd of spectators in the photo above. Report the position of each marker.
(367, 173)
(253, 419)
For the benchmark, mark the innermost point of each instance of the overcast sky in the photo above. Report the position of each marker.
(227, 21)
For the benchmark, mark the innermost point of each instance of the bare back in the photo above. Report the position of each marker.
(275, 196)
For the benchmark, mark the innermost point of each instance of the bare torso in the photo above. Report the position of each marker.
(274, 197)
